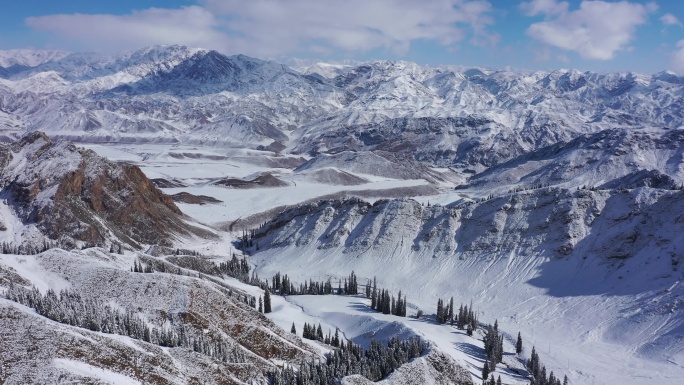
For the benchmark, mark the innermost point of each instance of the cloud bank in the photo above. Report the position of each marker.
(272, 27)
(677, 59)
(596, 31)
(192, 25)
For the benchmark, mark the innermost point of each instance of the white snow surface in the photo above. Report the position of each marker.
(89, 371)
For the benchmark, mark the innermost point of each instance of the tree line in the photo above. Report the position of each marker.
(374, 364)
(385, 303)
(69, 307)
(538, 372)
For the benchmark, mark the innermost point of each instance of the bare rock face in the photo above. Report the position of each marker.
(74, 194)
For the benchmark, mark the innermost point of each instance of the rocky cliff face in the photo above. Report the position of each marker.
(73, 194)
(549, 222)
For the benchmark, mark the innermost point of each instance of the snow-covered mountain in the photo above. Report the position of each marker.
(561, 192)
(589, 273)
(472, 119)
(57, 192)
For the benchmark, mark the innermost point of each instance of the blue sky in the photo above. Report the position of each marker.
(643, 36)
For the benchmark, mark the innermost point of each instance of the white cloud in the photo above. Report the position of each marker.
(597, 30)
(194, 26)
(670, 19)
(275, 27)
(677, 59)
(547, 7)
(353, 25)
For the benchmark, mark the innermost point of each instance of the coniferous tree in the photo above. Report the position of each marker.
(485, 370)
(450, 315)
(293, 330)
(519, 344)
(440, 311)
(261, 310)
(319, 333)
(267, 301)
(393, 307)
(387, 303)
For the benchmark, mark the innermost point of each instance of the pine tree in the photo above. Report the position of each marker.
(393, 307)
(293, 330)
(450, 314)
(319, 333)
(440, 311)
(519, 344)
(267, 301)
(485, 371)
(261, 310)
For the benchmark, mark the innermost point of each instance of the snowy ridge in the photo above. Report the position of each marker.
(602, 265)
(82, 354)
(28, 57)
(175, 93)
(560, 190)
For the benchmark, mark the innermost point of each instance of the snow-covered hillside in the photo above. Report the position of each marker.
(552, 200)
(594, 276)
(470, 119)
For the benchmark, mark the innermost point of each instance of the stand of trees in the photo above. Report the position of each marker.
(236, 268)
(138, 267)
(375, 363)
(9, 248)
(388, 304)
(467, 319)
(493, 344)
(314, 333)
(445, 314)
(282, 285)
(538, 372)
(71, 308)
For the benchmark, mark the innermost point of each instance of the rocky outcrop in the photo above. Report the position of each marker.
(551, 222)
(73, 194)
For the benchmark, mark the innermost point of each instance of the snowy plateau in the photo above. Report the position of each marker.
(550, 203)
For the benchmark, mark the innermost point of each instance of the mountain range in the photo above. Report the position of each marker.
(552, 198)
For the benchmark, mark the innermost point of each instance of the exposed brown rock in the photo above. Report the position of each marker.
(264, 180)
(87, 197)
(186, 197)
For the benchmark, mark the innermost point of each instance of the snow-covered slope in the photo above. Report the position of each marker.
(40, 350)
(601, 266)
(29, 58)
(592, 272)
(471, 119)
